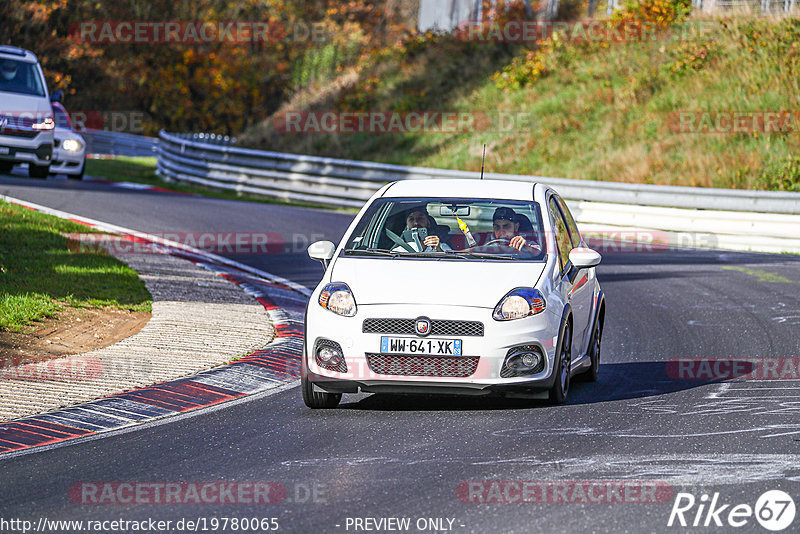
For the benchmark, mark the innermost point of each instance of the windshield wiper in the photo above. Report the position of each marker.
(487, 256)
(423, 254)
(370, 252)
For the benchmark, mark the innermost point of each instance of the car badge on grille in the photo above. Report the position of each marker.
(422, 325)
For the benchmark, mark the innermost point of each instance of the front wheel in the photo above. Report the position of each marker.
(558, 392)
(318, 399)
(38, 171)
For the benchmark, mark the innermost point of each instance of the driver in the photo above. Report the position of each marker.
(506, 226)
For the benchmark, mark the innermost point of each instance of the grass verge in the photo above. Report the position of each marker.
(39, 275)
(596, 110)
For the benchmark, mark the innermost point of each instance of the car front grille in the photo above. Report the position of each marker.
(439, 327)
(17, 126)
(13, 132)
(436, 366)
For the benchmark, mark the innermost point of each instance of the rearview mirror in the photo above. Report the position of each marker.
(56, 96)
(584, 257)
(454, 211)
(322, 251)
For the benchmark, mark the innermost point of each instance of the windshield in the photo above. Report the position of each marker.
(456, 228)
(20, 77)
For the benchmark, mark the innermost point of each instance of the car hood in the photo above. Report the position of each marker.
(14, 103)
(445, 282)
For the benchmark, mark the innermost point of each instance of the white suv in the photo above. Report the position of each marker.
(26, 116)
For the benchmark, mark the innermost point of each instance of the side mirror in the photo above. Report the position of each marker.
(322, 251)
(583, 258)
(56, 96)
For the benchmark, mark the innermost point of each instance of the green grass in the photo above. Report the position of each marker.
(142, 170)
(39, 275)
(600, 112)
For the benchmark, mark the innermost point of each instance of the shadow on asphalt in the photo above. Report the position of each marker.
(618, 381)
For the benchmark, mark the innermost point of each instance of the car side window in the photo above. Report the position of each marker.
(575, 235)
(562, 237)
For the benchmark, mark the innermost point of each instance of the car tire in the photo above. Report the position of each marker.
(318, 399)
(38, 171)
(560, 388)
(6, 166)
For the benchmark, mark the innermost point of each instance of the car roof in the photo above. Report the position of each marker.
(13, 52)
(462, 188)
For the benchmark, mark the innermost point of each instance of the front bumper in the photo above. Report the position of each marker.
(492, 349)
(67, 162)
(37, 150)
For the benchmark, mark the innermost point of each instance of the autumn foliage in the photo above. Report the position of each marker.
(215, 85)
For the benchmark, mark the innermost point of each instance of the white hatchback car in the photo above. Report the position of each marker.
(454, 286)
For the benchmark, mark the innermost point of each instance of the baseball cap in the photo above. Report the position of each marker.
(506, 214)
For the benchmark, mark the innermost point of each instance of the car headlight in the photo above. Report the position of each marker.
(73, 145)
(47, 124)
(338, 298)
(519, 303)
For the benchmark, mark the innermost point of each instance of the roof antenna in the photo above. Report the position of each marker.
(483, 160)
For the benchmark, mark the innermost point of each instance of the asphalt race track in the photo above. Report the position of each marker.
(381, 456)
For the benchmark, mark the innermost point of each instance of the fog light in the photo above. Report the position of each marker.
(530, 360)
(522, 361)
(328, 355)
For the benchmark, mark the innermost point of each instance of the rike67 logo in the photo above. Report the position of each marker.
(774, 510)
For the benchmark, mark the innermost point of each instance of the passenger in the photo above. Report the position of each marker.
(506, 226)
(416, 218)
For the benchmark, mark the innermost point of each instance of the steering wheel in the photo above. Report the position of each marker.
(502, 241)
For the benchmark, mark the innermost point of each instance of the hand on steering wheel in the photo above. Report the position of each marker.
(516, 242)
(500, 241)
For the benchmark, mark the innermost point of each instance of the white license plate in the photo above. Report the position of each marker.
(413, 345)
(4, 150)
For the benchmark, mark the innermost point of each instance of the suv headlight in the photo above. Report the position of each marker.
(519, 303)
(338, 298)
(73, 145)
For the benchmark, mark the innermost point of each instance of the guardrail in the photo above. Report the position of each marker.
(717, 218)
(346, 183)
(119, 144)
